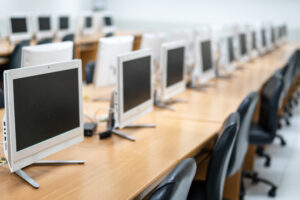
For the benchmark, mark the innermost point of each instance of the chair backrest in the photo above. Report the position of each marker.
(45, 41)
(106, 65)
(218, 165)
(287, 73)
(16, 56)
(246, 111)
(68, 37)
(177, 184)
(297, 64)
(270, 96)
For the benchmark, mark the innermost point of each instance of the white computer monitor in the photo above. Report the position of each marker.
(19, 28)
(108, 26)
(134, 88)
(254, 47)
(263, 40)
(105, 72)
(47, 53)
(173, 69)
(63, 25)
(87, 24)
(243, 46)
(227, 50)
(205, 67)
(43, 112)
(153, 41)
(44, 28)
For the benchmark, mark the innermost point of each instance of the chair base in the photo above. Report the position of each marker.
(282, 140)
(255, 180)
(261, 153)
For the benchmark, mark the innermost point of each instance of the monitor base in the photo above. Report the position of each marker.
(166, 104)
(200, 87)
(32, 182)
(101, 99)
(225, 76)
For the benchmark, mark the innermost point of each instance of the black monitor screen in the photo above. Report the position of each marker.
(63, 23)
(44, 23)
(206, 55)
(253, 40)
(273, 35)
(18, 25)
(230, 49)
(88, 22)
(108, 21)
(175, 66)
(263, 36)
(136, 82)
(46, 106)
(243, 43)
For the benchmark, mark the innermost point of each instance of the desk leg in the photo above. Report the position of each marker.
(250, 158)
(232, 186)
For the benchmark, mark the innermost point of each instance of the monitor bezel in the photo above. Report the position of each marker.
(245, 57)
(169, 92)
(45, 33)
(125, 118)
(62, 32)
(19, 159)
(85, 30)
(14, 37)
(204, 76)
(107, 29)
(228, 65)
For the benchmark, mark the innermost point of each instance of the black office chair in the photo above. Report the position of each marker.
(264, 132)
(16, 56)
(89, 72)
(177, 184)
(1, 99)
(70, 37)
(212, 187)
(246, 111)
(45, 41)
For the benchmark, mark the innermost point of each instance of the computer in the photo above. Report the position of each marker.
(243, 50)
(44, 27)
(105, 72)
(205, 68)
(263, 40)
(133, 97)
(47, 53)
(88, 24)
(63, 25)
(172, 73)
(228, 53)
(18, 28)
(43, 114)
(108, 27)
(153, 41)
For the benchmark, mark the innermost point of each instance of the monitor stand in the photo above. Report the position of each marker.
(32, 182)
(166, 104)
(199, 87)
(111, 125)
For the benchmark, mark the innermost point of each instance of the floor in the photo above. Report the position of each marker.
(285, 166)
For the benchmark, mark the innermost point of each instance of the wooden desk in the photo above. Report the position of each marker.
(119, 169)
(115, 168)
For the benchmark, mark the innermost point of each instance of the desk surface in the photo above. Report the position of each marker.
(119, 169)
(115, 168)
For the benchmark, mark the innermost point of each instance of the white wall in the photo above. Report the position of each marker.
(134, 13)
(9, 7)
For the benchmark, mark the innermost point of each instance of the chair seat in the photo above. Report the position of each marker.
(197, 191)
(259, 136)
